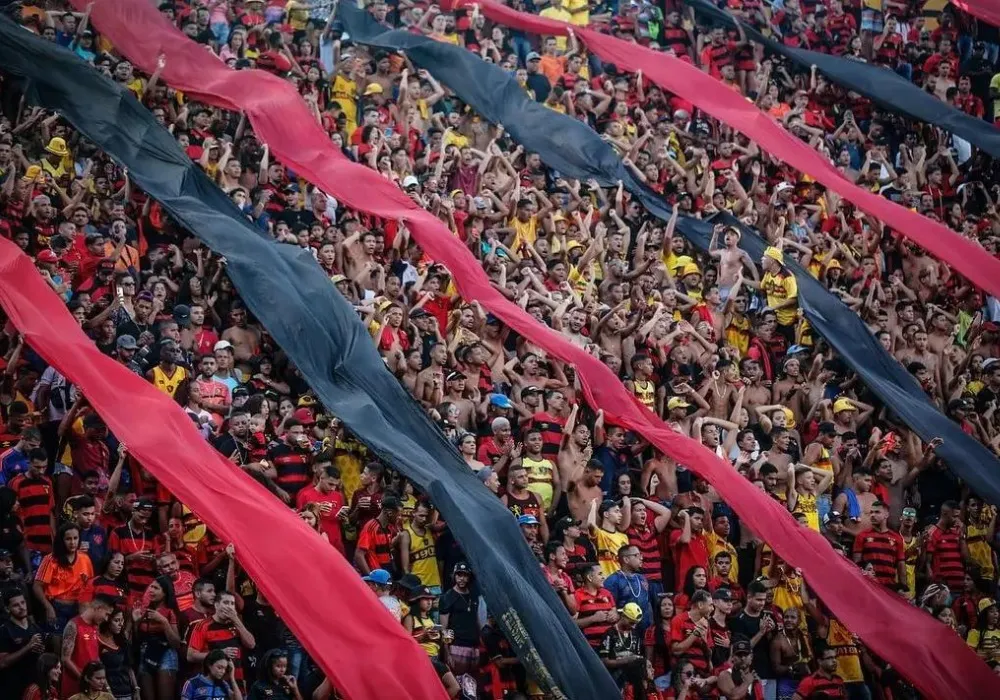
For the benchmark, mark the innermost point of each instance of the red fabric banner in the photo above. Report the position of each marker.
(707, 93)
(310, 584)
(980, 9)
(935, 660)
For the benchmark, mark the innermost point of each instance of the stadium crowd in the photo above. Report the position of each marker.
(112, 588)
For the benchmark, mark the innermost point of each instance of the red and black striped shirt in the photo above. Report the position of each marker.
(589, 603)
(647, 541)
(208, 635)
(946, 557)
(376, 542)
(140, 571)
(294, 468)
(35, 502)
(885, 550)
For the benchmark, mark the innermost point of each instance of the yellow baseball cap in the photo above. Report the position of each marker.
(676, 402)
(843, 405)
(632, 611)
(775, 254)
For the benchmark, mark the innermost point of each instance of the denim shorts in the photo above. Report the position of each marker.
(168, 661)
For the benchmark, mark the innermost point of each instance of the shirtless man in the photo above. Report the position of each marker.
(358, 252)
(575, 451)
(756, 394)
(613, 327)
(532, 374)
(430, 381)
(244, 339)
(922, 353)
(679, 416)
(583, 488)
(778, 454)
(455, 393)
(731, 259)
(576, 321)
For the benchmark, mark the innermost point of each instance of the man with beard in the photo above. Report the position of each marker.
(736, 678)
(292, 461)
(21, 643)
(167, 375)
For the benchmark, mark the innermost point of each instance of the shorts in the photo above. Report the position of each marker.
(871, 21)
(61, 468)
(156, 660)
(64, 613)
(467, 655)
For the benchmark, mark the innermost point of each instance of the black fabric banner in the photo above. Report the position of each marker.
(887, 88)
(575, 150)
(288, 292)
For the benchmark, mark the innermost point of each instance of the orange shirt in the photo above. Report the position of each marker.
(65, 582)
(552, 67)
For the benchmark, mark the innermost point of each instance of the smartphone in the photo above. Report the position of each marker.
(120, 292)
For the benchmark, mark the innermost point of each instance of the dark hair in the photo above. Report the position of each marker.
(553, 546)
(214, 656)
(84, 501)
(676, 679)
(267, 663)
(700, 596)
(59, 551)
(689, 587)
(88, 673)
(756, 588)
(46, 662)
(11, 594)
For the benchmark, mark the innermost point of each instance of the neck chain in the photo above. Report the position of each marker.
(131, 535)
(638, 589)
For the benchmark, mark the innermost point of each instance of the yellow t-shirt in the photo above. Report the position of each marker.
(540, 479)
(607, 545)
(345, 93)
(778, 288)
(526, 231)
(990, 637)
(560, 15)
(848, 661)
(579, 11)
(715, 545)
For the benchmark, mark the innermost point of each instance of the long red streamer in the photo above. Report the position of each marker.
(920, 647)
(709, 94)
(980, 9)
(309, 583)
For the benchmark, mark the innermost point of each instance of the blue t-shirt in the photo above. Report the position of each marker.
(203, 688)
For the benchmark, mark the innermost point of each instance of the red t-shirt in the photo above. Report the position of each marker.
(328, 522)
(688, 555)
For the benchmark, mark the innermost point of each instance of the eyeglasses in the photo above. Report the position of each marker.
(688, 674)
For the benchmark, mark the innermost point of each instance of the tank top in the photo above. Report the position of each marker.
(168, 385)
(85, 650)
(423, 557)
(646, 393)
(824, 463)
(806, 504)
(539, 479)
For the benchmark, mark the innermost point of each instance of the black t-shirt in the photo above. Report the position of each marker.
(19, 675)
(463, 616)
(748, 626)
(263, 623)
(617, 644)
